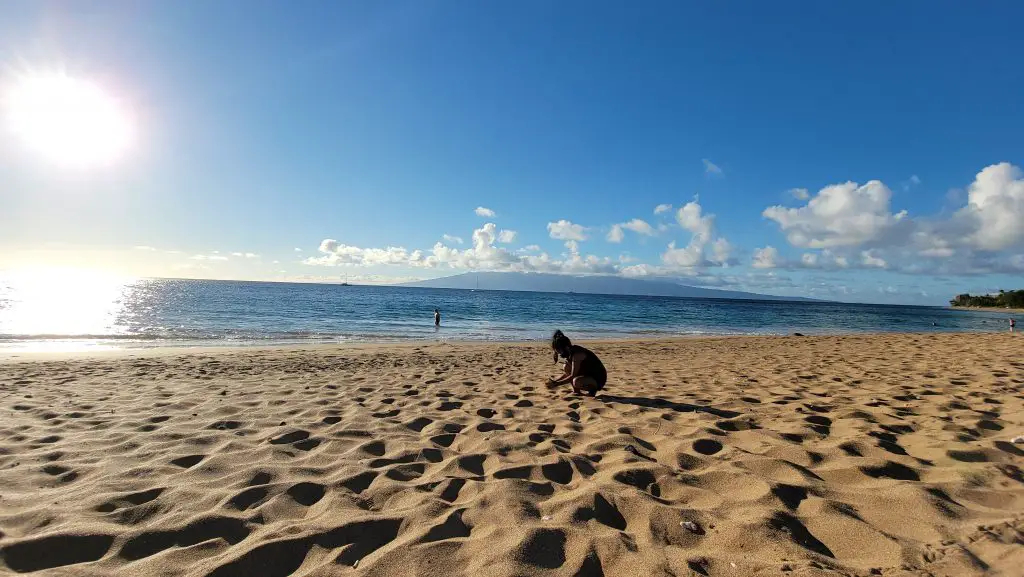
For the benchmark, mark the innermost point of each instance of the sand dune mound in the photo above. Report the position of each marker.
(880, 455)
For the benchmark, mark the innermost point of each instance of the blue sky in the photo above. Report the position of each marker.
(362, 132)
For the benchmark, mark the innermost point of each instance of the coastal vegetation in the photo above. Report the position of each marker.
(1005, 299)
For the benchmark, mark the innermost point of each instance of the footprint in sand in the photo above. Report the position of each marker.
(707, 446)
(188, 462)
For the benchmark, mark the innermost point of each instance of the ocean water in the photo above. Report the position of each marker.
(52, 314)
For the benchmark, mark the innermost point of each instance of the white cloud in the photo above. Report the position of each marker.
(245, 255)
(146, 248)
(639, 226)
(662, 208)
(994, 213)
(208, 257)
(483, 255)
(484, 212)
(839, 215)
(870, 259)
(637, 270)
(701, 227)
(767, 257)
(450, 238)
(721, 250)
(530, 248)
(799, 193)
(690, 217)
(507, 236)
(982, 236)
(565, 230)
(615, 234)
(691, 255)
(710, 167)
(298, 250)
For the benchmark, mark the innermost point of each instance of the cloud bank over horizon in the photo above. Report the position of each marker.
(840, 228)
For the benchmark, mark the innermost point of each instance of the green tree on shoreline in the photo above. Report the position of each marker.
(1005, 299)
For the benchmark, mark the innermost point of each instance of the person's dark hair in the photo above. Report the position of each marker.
(559, 342)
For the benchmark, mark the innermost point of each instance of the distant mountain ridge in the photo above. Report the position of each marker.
(609, 285)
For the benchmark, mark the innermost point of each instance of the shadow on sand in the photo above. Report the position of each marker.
(666, 404)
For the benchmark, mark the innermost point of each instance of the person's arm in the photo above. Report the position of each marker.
(572, 370)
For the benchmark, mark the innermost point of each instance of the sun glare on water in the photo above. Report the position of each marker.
(70, 121)
(59, 303)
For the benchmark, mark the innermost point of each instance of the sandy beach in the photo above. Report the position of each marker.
(855, 455)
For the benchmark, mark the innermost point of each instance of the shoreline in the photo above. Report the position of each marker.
(1011, 311)
(29, 355)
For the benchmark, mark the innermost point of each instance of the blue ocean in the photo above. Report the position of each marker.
(166, 312)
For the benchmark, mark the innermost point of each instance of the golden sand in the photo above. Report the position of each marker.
(860, 455)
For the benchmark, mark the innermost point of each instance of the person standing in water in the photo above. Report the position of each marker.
(583, 370)
(437, 318)
(1013, 324)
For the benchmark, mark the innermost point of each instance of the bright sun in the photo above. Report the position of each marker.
(70, 121)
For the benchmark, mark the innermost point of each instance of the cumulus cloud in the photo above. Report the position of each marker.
(703, 248)
(565, 230)
(689, 256)
(637, 225)
(691, 217)
(721, 251)
(245, 255)
(857, 223)
(484, 212)
(482, 255)
(994, 213)
(450, 238)
(615, 234)
(298, 250)
(870, 259)
(767, 257)
(839, 215)
(507, 236)
(662, 208)
(710, 167)
(799, 193)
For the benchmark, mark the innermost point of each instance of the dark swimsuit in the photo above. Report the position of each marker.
(591, 366)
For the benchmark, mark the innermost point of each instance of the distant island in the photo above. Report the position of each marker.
(1003, 300)
(606, 285)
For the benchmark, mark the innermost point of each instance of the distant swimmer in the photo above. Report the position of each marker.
(437, 318)
(1013, 324)
(583, 370)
